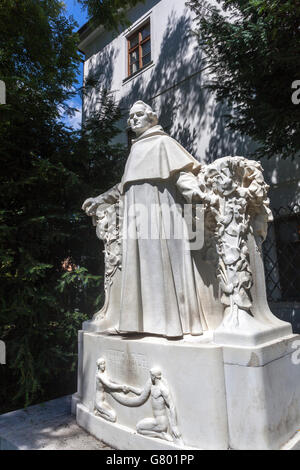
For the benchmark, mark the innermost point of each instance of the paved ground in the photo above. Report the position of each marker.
(48, 426)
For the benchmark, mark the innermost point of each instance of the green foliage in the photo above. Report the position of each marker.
(50, 274)
(109, 13)
(252, 48)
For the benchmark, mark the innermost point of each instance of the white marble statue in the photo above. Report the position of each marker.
(156, 279)
(155, 282)
(105, 385)
(162, 425)
(158, 285)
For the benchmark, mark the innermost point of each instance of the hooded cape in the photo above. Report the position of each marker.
(155, 155)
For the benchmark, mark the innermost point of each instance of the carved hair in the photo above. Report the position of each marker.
(156, 372)
(101, 359)
(149, 111)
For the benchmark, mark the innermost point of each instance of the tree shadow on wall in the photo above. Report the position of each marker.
(176, 90)
(99, 77)
(162, 89)
(176, 87)
(224, 141)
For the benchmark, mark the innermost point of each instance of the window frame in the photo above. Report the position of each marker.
(139, 48)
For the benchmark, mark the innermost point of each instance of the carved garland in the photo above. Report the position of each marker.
(236, 197)
(108, 228)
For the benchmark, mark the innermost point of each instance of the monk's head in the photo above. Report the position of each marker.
(141, 117)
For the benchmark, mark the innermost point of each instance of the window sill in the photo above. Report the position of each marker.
(139, 72)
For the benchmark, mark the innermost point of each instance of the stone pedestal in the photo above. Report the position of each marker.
(225, 397)
(263, 394)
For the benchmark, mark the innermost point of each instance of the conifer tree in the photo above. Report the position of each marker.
(252, 49)
(49, 256)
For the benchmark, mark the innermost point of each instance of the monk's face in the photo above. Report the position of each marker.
(139, 120)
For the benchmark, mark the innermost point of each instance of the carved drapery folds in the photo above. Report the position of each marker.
(236, 215)
(236, 205)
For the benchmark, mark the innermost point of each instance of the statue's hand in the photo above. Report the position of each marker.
(199, 197)
(90, 206)
(125, 389)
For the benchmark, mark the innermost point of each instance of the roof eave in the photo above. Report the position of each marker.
(87, 33)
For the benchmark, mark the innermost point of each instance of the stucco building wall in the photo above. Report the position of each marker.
(174, 84)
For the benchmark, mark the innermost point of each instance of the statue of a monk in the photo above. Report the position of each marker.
(154, 290)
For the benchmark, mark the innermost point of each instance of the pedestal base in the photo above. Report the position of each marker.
(117, 436)
(263, 393)
(225, 397)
